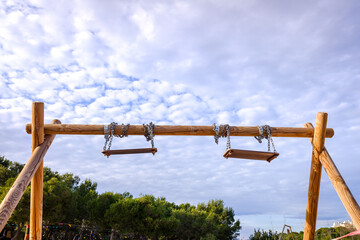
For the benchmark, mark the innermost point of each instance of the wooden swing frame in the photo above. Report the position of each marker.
(43, 134)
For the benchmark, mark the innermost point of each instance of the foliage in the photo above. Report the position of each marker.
(296, 235)
(264, 235)
(100, 205)
(207, 220)
(320, 234)
(69, 200)
(331, 233)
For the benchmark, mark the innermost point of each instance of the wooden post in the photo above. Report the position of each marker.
(36, 198)
(340, 185)
(315, 177)
(15, 193)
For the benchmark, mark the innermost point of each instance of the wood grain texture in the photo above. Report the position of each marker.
(129, 151)
(80, 129)
(343, 191)
(315, 176)
(15, 193)
(248, 154)
(36, 197)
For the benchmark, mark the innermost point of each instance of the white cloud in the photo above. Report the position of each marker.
(144, 23)
(224, 117)
(243, 63)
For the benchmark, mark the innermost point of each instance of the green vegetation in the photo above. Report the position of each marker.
(70, 202)
(321, 234)
(270, 235)
(331, 233)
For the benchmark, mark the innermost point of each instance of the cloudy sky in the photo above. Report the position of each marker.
(183, 62)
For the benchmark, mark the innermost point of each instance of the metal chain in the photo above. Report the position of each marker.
(124, 129)
(109, 133)
(227, 132)
(217, 133)
(106, 135)
(269, 138)
(149, 132)
(261, 136)
(222, 131)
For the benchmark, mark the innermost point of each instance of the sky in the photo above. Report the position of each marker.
(243, 63)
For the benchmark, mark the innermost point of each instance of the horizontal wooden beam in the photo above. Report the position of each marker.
(79, 129)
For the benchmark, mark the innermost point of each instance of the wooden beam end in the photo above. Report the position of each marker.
(55, 121)
(28, 128)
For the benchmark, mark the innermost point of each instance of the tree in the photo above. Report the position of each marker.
(158, 221)
(125, 215)
(59, 202)
(85, 193)
(145, 216)
(101, 204)
(223, 219)
(21, 214)
(68, 200)
(8, 173)
(211, 218)
(331, 233)
(5, 174)
(193, 224)
(8, 169)
(263, 235)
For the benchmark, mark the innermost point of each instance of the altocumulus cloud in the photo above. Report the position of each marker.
(187, 62)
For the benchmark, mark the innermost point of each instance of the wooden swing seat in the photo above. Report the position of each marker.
(129, 151)
(247, 154)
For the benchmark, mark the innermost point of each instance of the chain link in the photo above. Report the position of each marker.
(149, 132)
(268, 132)
(222, 131)
(261, 136)
(217, 133)
(227, 132)
(124, 129)
(109, 133)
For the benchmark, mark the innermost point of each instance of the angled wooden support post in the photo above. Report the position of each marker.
(15, 193)
(315, 176)
(36, 198)
(343, 191)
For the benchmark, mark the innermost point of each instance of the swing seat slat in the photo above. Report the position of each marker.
(247, 154)
(129, 151)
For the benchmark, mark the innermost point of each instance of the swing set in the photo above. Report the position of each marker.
(44, 134)
(219, 131)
